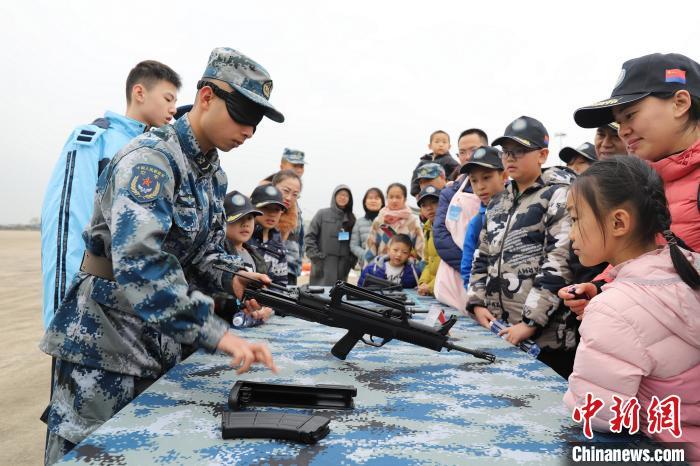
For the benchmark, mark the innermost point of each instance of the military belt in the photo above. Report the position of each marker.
(98, 266)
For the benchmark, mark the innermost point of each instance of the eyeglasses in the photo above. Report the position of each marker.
(518, 153)
(293, 194)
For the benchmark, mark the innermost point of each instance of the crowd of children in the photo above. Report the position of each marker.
(593, 260)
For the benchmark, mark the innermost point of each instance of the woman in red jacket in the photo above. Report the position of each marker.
(657, 105)
(656, 102)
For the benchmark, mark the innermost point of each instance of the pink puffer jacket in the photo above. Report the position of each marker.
(641, 337)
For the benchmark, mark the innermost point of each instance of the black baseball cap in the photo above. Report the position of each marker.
(237, 206)
(639, 78)
(527, 132)
(484, 156)
(585, 150)
(428, 191)
(266, 195)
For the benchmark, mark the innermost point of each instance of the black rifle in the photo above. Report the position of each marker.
(392, 323)
(375, 283)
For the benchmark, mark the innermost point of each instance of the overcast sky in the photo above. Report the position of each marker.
(362, 84)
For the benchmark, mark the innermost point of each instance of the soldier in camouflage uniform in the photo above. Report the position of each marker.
(157, 228)
(522, 258)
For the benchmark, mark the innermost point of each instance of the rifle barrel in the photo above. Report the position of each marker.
(476, 353)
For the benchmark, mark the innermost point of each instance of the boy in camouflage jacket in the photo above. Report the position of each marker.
(522, 259)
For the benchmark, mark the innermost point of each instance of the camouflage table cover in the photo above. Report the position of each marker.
(413, 406)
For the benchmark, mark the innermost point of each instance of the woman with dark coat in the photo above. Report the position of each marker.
(372, 203)
(328, 240)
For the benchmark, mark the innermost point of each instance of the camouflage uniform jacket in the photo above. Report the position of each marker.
(522, 258)
(159, 217)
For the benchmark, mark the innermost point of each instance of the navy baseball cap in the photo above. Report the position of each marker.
(527, 132)
(266, 195)
(428, 191)
(639, 78)
(484, 156)
(237, 206)
(585, 150)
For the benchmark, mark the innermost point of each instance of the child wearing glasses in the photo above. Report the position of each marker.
(522, 258)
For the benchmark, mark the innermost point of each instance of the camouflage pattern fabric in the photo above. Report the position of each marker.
(159, 217)
(245, 75)
(294, 156)
(414, 406)
(83, 399)
(522, 258)
(429, 171)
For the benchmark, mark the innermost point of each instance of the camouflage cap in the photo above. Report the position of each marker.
(245, 76)
(293, 156)
(429, 171)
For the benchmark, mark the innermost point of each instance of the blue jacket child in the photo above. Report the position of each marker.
(409, 276)
(405, 273)
(471, 242)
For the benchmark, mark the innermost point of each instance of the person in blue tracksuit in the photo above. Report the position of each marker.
(151, 96)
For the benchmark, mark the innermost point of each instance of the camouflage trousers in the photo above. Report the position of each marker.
(83, 399)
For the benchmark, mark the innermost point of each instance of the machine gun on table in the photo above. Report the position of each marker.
(391, 321)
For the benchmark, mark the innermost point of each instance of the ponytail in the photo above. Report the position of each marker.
(683, 266)
(685, 269)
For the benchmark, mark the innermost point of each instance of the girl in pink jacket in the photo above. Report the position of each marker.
(640, 336)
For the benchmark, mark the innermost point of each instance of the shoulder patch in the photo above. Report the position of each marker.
(87, 135)
(146, 183)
